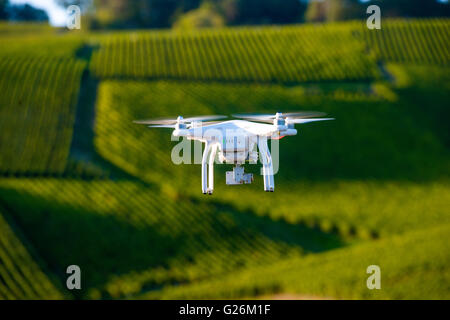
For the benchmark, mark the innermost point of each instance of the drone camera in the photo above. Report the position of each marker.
(237, 176)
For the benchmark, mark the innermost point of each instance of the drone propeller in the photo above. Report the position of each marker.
(268, 118)
(207, 123)
(171, 122)
(298, 121)
(169, 126)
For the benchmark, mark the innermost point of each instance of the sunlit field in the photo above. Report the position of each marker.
(80, 183)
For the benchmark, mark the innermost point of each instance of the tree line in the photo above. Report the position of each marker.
(128, 14)
(21, 12)
(197, 13)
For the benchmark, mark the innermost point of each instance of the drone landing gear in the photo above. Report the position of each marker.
(209, 156)
(237, 176)
(266, 159)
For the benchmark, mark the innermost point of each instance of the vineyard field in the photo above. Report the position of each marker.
(412, 41)
(267, 54)
(38, 104)
(34, 41)
(80, 183)
(414, 260)
(292, 54)
(126, 225)
(20, 275)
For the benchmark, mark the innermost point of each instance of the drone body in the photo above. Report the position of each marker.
(236, 142)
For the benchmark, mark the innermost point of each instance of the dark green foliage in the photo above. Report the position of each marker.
(20, 276)
(25, 13)
(3, 13)
(413, 8)
(407, 263)
(124, 228)
(37, 113)
(239, 12)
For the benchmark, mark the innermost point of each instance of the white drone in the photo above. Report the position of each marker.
(234, 141)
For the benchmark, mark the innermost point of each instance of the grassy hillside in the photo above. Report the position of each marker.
(371, 187)
(20, 275)
(411, 41)
(266, 54)
(38, 40)
(37, 113)
(117, 230)
(311, 53)
(413, 266)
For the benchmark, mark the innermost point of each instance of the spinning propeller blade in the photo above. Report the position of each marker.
(303, 114)
(253, 116)
(298, 121)
(173, 121)
(157, 121)
(206, 123)
(268, 118)
(205, 118)
(171, 126)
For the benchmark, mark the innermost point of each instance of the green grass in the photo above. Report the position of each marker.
(425, 41)
(371, 187)
(366, 209)
(127, 237)
(37, 113)
(20, 275)
(34, 44)
(40, 77)
(413, 266)
(25, 29)
(292, 54)
(266, 54)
